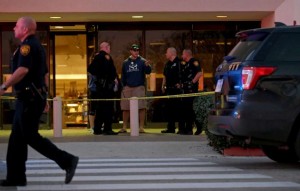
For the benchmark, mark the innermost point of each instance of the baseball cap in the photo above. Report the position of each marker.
(135, 47)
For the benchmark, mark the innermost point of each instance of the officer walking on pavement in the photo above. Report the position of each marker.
(191, 72)
(104, 69)
(29, 72)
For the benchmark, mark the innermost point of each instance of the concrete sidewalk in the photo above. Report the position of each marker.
(148, 145)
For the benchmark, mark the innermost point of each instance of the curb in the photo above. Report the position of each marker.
(239, 151)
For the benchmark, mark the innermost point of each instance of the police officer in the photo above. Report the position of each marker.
(28, 78)
(171, 85)
(191, 72)
(104, 69)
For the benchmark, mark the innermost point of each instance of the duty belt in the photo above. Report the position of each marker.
(31, 92)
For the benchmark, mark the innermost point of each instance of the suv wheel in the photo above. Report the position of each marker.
(282, 155)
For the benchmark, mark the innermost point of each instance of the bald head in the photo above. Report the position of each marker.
(104, 46)
(29, 23)
(187, 54)
(25, 26)
(171, 53)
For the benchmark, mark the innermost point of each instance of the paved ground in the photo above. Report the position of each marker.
(124, 145)
(153, 161)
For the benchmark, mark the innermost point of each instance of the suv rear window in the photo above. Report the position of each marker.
(248, 43)
(282, 47)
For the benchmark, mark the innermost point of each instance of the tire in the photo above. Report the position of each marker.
(281, 155)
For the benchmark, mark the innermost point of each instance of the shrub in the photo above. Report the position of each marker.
(202, 105)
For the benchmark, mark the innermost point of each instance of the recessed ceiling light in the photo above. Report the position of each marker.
(137, 17)
(221, 16)
(55, 17)
(59, 27)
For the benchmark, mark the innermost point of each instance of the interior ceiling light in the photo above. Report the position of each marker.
(221, 16)
(55, 17)
(59, 27)
(137, 17)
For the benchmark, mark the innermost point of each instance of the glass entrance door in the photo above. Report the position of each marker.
(71, 77)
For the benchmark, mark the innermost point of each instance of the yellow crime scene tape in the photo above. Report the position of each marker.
(119, 99)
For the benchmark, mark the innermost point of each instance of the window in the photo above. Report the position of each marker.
(157, 42)
(285, 47)
(120, 42)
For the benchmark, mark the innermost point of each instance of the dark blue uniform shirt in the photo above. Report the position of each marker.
(172, 73)
(30, 54)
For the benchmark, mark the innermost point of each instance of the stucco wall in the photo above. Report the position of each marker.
(137, 5)
(287, 13)
(268, 21)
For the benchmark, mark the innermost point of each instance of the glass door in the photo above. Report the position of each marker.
(71, 77)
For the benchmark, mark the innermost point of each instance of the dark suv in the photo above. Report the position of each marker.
(257, 95)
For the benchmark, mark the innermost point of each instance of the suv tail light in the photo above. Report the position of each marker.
(250, 75)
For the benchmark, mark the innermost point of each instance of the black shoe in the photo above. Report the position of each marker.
(180, 132)
(168, 131)
(7, 183)
(109, 133)
(71, 170)
(197, 132)
(97, 132)
(189, 133)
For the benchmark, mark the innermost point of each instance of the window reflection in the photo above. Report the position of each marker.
(157, 43)
(210, 47)
(120, 42)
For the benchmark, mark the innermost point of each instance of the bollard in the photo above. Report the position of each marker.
(134, 116)
(57, 117)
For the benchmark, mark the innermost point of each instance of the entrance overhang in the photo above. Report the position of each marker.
(151, 10)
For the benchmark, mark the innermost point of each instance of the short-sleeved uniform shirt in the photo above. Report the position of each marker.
(189, 71)
(103, 67)
(172, 72)
(30, 54)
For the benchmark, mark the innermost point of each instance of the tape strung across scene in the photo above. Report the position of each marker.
(118, 99)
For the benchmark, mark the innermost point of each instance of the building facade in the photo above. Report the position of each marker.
(71, 34)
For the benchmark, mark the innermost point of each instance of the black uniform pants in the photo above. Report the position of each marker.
(188, 115)
(173, 109)
(104, 112)
(25, 132)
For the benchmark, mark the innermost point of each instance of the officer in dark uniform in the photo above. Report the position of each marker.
(171, 85)
(28, 78)
(191, 72)
(104, 69)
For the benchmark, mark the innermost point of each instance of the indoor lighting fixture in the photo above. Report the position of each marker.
(55, 17)
(72, 104)
(221, 16)
(59, 27)
(137, 17)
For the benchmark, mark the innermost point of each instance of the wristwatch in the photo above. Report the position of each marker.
(3, 87)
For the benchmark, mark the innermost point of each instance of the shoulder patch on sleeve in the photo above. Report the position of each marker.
(107, 57)
(196, 63)
(25, 49)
